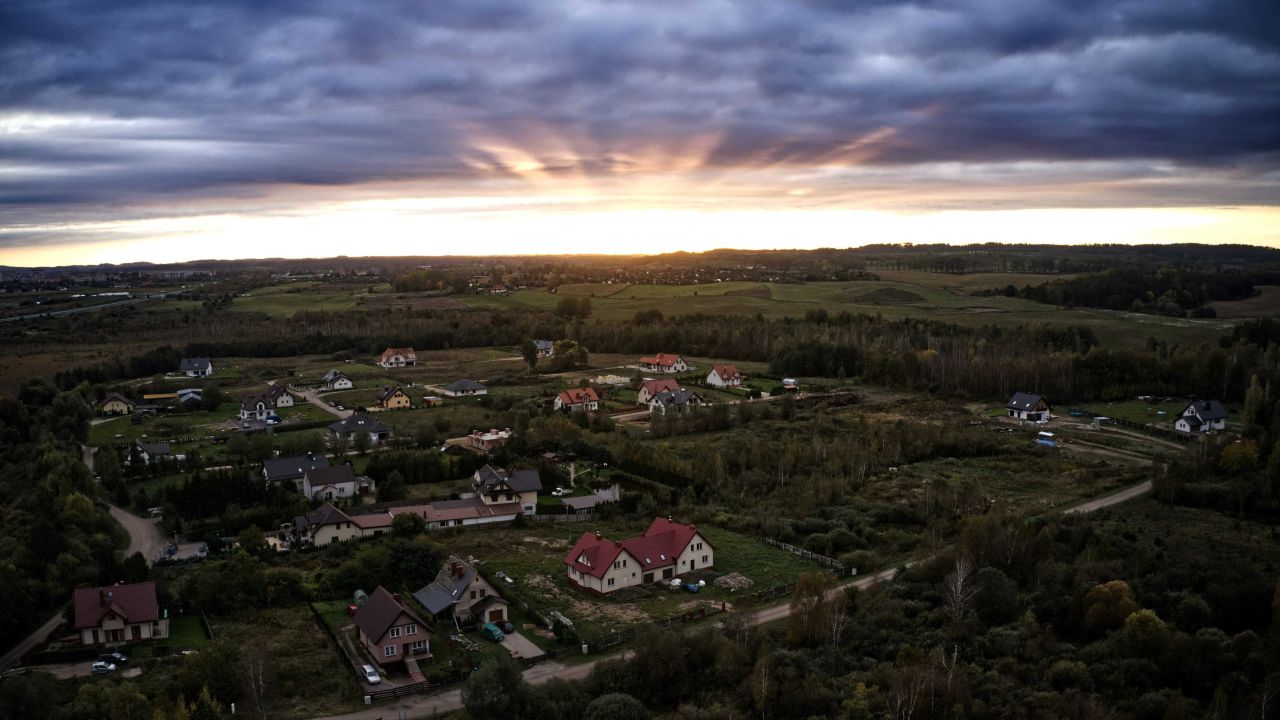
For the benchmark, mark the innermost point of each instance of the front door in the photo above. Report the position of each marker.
(648, 578)
(692, 564)
(666, 573)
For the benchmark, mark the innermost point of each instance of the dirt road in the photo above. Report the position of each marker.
(1115, 498)
(144, 536)
(313, 397)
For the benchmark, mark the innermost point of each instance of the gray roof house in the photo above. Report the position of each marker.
(1201, 416)
(354, 423)
(462, 594)
(1027, 406)
(674, 401)
(196, 367)
(489, 478)
(292, 468)
(464, 387)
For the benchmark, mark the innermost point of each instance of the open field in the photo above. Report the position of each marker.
(1265, 304)
(285, 299)
(924, 297)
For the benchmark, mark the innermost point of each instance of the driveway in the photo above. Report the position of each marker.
(84, 668)
(144, 536)
(313, 397)
(521, 647)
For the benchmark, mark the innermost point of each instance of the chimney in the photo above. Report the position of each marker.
(597, 534)
(396, 596)
(102, 598)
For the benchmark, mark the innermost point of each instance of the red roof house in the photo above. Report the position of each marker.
(665, 550)
(578, 399)
(664, 363)
(119, 614)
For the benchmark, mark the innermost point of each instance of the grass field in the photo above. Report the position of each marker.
(285, 299)
(1265, 304)
(915, 295)
(1142, 411)
(186, 633)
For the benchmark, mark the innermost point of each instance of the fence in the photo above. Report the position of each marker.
(208, 629)
(1141, 427)
(337, 644)
(561, 517)
(628, 635)
(418, 687)
(807, 554)
(776, 591)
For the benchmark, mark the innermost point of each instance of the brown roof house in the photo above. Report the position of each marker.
(397, 357)
(119, 614)
(393, 398)
(664, 363)
(390, 631)
(462, 595)
(724, 376)
(649, 388)
(574, 399)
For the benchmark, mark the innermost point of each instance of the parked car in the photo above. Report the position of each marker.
(691, 587)
(558, 492)
(371, 675)
(492, 632)
(103, 668)
(115, 658)
(504, 577)
(507, 627)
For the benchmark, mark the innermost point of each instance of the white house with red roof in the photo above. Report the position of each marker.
(666, 550)
(119, 614)
(724, 376)
(651, 387)
(664, 363)
(398, 357)
(578, 399)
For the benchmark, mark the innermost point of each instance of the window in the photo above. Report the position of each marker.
(704, 559)
(473, 594)
(418, 645)
(610, 582)
(389, 651)
(411, 629)
(482, 592)
(395, 632)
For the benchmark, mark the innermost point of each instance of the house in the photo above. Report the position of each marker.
(664, 363)
(1026, 406)
(374, 524)
(463, 388)
(150, 451)
(649, 388)
(196, 367)
(356, 423)
(464, 512)
(330, 483)
(119, 614)
(489, 440)
(334, 380)
(1201, 416)
(260, 406)
(496, 486)
(666, 550)
(722, 376)
(324, 525)
(117, 404)
(790, 384)
(676, 402)
(578, 399)
(291, 469)
(545, 348)
(462, 595)
(397, 357)
(393, 398)
(192, 396)
(587, 503)
(432, 401)
(389, 631)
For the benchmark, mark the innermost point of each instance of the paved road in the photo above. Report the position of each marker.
(417, 706)
(38, 637)
(144, 536)
(73, 311)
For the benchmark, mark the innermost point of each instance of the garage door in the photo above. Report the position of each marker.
(497, 615)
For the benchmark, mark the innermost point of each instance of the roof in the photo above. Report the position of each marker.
(450, 584)
(200, 363)
(155, 448)
(458, 385)
(372, 521)
(326, 514)
(543, 344)
(658, 547)
(577, 396)
(357, 422)
(1208, 410)
(656, 386)
(1024, 401)
(333, 375)
(663, 359)
(599, 497)
(392, 352)
(135, 603)
(519, 480)
(289, 468)
(326, 475)
(725, 371)
(593, 554)
(677, 398)
(465, 509)
(117, 396)
(379, 613)
(387, 392)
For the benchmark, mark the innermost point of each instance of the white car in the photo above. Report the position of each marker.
(103, 668)
(558, 492)
(371, 675)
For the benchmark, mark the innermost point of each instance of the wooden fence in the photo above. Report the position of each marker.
(1165, 433)
(808, 555)
(337, 644)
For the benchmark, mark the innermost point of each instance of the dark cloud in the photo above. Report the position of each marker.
(108, 102)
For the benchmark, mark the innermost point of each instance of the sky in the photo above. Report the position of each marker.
(168, 131)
